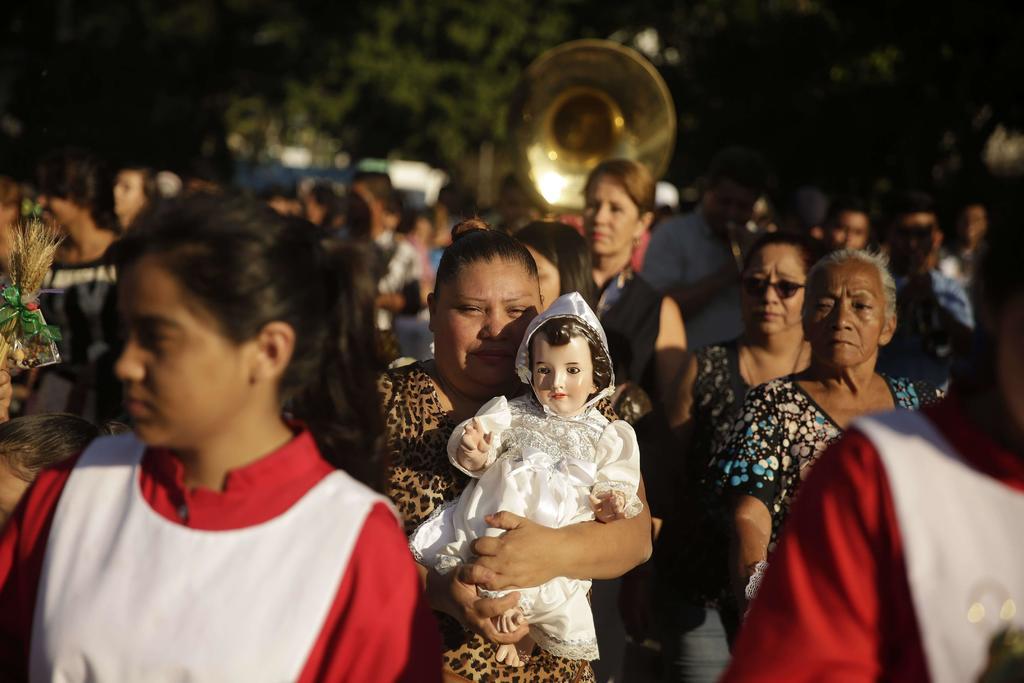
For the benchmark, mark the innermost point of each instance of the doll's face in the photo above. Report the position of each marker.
(563, 376)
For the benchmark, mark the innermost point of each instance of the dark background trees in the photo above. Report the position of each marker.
(855, 97)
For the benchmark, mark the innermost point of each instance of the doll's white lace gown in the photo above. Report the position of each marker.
(544, 468)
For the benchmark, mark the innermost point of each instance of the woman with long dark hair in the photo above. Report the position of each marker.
(225, 539)
(134, 191)
(563, 260)
(485, 297)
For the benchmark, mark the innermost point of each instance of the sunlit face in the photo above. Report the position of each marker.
(773, 289)
(478, 320)
(563, 376)
(845, 319)
(850, 231)
(613, 223)
(12, 487)
(728, 205)
(550, 280)
(183, 380)
(129, 196)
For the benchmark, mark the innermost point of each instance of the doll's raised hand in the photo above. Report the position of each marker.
(474, 446)
(509, 621)
(609, 506)
(516, 653)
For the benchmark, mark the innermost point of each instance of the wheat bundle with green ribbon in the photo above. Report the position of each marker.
(33, 247)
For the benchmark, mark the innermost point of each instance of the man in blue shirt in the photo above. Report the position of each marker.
(696, 258)
(934, 311)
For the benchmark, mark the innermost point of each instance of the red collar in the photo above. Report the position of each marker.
(252, 494)
(974, 445)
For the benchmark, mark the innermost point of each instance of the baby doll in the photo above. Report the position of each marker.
(549, 456)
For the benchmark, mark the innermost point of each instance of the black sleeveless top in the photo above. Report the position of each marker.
(630, 312)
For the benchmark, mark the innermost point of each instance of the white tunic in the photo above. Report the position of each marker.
(127, 595)
(545, 468)
(963, 541)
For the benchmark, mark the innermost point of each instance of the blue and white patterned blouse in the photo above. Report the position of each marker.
(781, 432)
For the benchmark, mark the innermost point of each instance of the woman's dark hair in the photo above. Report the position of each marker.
(473, 242)
(810, 250)
(568, 252)
(560, 331)
(33, 442)
(82, 178)
(248, 266)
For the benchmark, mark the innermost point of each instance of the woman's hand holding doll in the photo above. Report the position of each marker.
(456, 594)
(527, 554)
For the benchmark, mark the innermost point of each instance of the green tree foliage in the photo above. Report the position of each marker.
(853, 96)
(433, 78)
(850, 93)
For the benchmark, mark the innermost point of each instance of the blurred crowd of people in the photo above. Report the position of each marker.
(746, 343)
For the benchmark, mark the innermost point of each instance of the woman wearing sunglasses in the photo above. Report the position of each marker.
(691, 558)
(849, 313)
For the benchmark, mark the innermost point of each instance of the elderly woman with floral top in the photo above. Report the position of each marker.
(785, 424)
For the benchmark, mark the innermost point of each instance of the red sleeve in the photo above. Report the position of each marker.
(379, 628)
(22, 547)
(835, 604)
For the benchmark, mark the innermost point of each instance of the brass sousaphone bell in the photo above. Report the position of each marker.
(581, 103)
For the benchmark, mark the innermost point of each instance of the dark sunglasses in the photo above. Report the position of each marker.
(757, 286)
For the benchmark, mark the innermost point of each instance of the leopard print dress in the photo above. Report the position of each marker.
(421, 479)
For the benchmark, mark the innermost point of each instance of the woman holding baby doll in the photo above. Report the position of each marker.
(487, 294)
(549, 456)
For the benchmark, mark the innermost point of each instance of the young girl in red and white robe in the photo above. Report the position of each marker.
(221, 542)
(904, 558)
